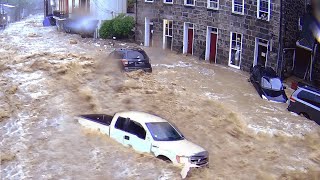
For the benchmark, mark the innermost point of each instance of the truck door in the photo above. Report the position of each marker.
(119, 131)
(139, 140)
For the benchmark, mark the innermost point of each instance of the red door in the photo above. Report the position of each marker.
(213, 48)
(190, 40)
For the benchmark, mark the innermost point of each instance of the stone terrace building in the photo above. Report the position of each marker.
(236, 33)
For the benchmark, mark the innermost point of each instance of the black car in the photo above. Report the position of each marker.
(268, 84)
(306, 101)
(132, 59)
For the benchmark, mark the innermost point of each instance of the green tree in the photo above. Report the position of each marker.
(120, 27)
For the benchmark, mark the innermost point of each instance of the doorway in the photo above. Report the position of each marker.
(302, 62)
(167, 34)
(211, 44)
(261, 52)
(188, 38)
(148, 31)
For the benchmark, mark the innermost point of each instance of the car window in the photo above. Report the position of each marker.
(136, 55)
(163, 131)
(136, 129)
(122, 123)
(309, 98)
(271, 83)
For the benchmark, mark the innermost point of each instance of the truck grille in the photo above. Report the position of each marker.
(200, 159)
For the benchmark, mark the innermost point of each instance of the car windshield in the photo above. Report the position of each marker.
(136, 55)
(164, 131)
(271, 83)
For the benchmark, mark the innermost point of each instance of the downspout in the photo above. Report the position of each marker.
(136, 12)
(280, 54)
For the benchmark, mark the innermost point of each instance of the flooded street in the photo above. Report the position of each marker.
(48, 77)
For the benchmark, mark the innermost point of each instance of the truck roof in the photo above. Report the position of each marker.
(141, 117)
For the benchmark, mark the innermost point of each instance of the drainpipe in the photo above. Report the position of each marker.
(280, 54)
(136, 12)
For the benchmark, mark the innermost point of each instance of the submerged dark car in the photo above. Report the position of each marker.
(132, 59)
(268, 84)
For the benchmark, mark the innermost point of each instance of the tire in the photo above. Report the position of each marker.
(305, 115)
(164, 158)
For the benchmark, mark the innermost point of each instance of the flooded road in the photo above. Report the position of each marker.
(48, 77)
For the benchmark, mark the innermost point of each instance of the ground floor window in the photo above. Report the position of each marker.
(235, 50)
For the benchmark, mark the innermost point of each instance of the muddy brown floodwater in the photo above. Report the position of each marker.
(48, 77)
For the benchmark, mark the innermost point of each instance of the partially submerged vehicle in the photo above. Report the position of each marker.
(148, 133)
(132, 59)
(268, 84)
(84, 26)
(305, 101)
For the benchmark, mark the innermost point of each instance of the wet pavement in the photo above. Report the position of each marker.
(48, 77)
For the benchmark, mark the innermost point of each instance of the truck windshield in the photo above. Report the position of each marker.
(163, 131)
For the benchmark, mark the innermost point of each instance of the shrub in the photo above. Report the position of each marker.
(119, 27)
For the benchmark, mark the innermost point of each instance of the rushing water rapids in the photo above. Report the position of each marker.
(48, 77)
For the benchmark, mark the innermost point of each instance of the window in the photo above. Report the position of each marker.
(309, 98)
(136, 55)
(263, 11)
(163, 131)
(148, 0)
(168, 28)
(271, 83)
(238, 6)
(129, 126)
(235, 50)
(189, 2)
(213, 4)
(168, 1)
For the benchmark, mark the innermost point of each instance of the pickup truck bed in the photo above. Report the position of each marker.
(99, 118)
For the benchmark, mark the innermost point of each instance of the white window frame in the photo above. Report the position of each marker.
(208, 4)
(230, 50)
(166, 2)
(166, 32)
(149, 1)
(236, 12)
(185, 3)
(269, 10)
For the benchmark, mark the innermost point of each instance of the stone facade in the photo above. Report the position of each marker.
(200, 16)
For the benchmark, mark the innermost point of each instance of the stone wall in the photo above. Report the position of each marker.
(223, 19)
(292, 11)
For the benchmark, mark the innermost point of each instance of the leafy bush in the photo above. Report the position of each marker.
(119, 27)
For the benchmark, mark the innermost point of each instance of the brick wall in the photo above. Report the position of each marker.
(223, 19)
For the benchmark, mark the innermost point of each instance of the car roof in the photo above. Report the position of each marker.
(129, 49)
(141, 117)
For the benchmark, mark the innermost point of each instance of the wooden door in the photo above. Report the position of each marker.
(213, 48)
(190, 40)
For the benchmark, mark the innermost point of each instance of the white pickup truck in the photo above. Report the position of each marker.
(148, 133)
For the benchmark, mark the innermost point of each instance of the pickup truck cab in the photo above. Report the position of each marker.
(148, 133)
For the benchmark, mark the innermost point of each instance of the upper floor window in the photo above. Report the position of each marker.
(148, 0)
(263, 11)
(189, 2)
(213, 4)
(238, 6)
(168, 1)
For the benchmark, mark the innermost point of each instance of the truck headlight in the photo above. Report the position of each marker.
(4, 18)
(182, 159)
